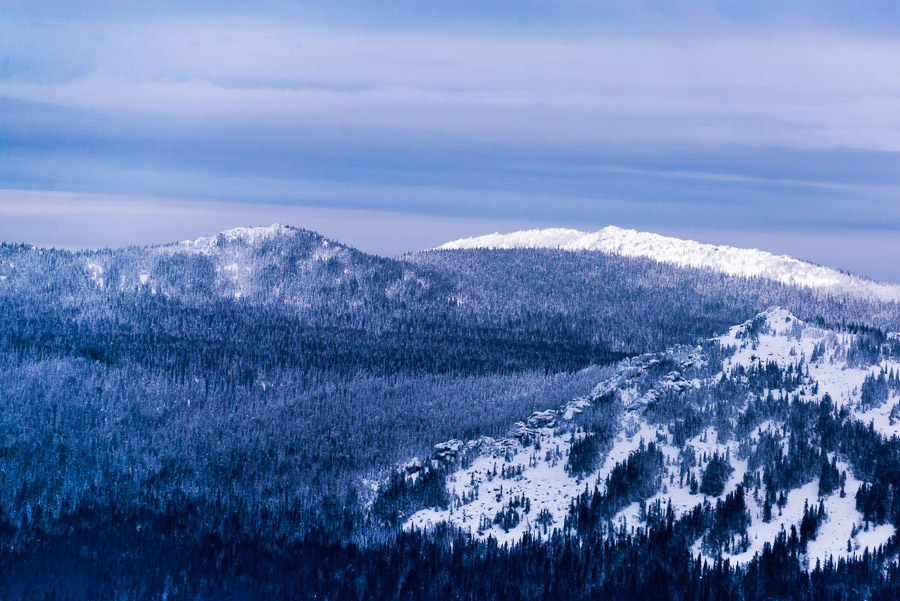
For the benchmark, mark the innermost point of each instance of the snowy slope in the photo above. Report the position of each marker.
(726, 259)
(480, 489)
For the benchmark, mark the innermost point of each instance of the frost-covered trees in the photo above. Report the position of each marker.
(636, 478)
(716, 474)
(174, 412)
(728, 529)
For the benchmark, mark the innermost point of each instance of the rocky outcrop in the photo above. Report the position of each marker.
(621, 387)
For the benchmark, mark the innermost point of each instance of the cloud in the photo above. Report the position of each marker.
(643, 114)
(795, 89)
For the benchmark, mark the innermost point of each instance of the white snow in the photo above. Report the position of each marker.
(248, 235)
(96, 273)
(783, 339)
(726, 259)
(880, 417)
(545, 482)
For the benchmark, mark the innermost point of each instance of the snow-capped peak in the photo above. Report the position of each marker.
(778, 321)
(725, 259)
(248, 235)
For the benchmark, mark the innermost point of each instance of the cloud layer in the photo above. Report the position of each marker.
(641, 114)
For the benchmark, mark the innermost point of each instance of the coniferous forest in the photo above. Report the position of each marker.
(225, 420)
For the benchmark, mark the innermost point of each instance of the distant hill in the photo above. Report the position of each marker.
(687, 253)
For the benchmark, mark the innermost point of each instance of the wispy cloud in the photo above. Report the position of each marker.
(801, 90)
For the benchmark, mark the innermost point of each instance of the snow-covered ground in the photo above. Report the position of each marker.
(543, 479)
(726, 259)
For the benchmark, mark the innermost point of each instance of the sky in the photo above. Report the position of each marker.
(399, 125)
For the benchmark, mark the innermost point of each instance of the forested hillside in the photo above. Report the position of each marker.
(633, 304)
(232, 411)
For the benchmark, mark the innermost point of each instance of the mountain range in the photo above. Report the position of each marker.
(268, 413)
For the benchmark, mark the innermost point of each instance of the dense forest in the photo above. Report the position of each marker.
(212, 421)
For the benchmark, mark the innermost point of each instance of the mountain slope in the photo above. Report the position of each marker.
(772, 383)
(726, 259)
(193, 420)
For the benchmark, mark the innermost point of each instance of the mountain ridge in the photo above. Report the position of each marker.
(250, 235)
(610, 240)
(730, 260)
(651, 395)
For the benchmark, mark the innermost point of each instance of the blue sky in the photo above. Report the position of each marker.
(398, 125)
